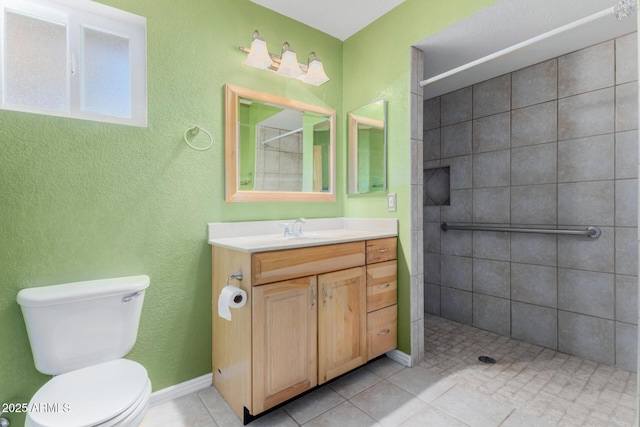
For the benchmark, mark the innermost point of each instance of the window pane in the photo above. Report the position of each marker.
(36, 62)
(106, 84)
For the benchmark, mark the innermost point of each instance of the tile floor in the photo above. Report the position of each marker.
(528, 386)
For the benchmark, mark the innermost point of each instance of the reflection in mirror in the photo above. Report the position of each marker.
(278, 149)
(367, 138)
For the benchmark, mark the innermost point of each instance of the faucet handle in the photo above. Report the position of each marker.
(299, 223)
(287, 231)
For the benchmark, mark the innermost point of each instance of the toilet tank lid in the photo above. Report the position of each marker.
(91, 289)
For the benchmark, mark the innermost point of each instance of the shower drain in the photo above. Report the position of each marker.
(487, 359)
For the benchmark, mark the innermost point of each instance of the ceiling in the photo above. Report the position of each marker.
(338, 18)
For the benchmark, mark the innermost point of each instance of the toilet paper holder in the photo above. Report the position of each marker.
(237, 276)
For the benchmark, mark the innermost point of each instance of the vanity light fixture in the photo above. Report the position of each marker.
(286, 64)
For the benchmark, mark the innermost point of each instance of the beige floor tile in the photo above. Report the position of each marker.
(313, 404)
(472, 408)
(432, 417)
(277, 418)
(355, 382)
(187, 411)
(388, 404)
(345, 414)
(384, 367)
(421, 382)
(222, 413)
(521, 419)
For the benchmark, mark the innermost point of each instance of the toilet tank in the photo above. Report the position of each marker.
(75, 325)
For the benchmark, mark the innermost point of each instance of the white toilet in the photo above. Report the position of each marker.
(79, 332)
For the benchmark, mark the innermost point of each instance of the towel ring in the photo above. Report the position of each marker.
(195, 130)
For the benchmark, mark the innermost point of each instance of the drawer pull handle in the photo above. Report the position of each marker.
(313, 293)
(384, 286)
(385, 332)
(381, 251)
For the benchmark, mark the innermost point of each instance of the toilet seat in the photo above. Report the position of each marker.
(101, 395)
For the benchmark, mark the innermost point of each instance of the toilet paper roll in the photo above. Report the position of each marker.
(230, 297)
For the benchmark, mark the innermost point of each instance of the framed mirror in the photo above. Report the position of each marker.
(278, 149)
(367, 140)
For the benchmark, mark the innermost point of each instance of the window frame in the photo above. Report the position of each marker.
(77, 16)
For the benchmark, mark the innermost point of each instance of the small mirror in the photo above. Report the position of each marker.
(367, 135)
(278, 149)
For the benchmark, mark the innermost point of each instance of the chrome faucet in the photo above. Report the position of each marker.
(299, 223)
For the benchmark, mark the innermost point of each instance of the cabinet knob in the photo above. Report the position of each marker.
(385, 332)
(381, 251)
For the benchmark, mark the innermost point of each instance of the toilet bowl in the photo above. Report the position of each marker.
(79, 332)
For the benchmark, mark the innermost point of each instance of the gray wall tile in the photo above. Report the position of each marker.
(431, 213)
(432, 267)
(627, 106)
(586, 159)
(586, 203)
(534, 284)
(417, 103)
(456, 305)
(455, 140)
(627, 154)
(491, 245)
(586, 69)
(586, 292)
(460, 209)
(627, 251)
(534, 249)
(626, 203)
(586, 336)
(626, 346)
(534, 324)
(491, 169)
(534, 204)
(431, 113)
(492, 314)
(455, 107)
(588, 114)
(627, 299)
(431, 141)
(585, 253)
(456, 272)
(456, 242)
(534, 125)
(460, 171)
(492, 133)
(491, 205)
(432, 299)
(536, 164)
(432, 237)
(491, 277)
(535, 84)
(627, 58)
(492, 96)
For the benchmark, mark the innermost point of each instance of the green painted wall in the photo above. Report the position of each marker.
(377, 65)
(83, 200)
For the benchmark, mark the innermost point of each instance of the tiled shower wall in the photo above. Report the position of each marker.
(551, 145)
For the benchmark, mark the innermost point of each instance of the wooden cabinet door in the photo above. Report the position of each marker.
(341, 322)
(284, 341)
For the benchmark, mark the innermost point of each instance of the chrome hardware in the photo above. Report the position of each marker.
(287, 232)
(384, 286)
(385, 332)
(3, 421)
(128, 298)
(299, 223)
(592, 231)
(237, 276)
(381, 251)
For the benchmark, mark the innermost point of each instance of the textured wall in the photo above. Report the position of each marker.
(551, 145)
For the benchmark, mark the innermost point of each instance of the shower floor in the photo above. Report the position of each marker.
(556, 387)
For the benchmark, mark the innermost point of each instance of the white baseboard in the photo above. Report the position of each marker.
(179, 390)
(400, 357)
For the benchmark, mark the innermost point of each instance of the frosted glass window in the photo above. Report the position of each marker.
(35, 55)
(106, 75)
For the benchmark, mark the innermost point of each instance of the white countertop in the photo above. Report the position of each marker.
(261, 236)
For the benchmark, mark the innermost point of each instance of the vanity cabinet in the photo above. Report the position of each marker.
(312, 314)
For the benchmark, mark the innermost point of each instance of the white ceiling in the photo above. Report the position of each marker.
(339, 18)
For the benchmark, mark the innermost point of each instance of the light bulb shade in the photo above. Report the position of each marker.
(315, 75)
(259, 55)
(289, 66)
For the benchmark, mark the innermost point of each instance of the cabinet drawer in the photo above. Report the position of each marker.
(381, 250)
(382, 331)
(382, 285)
(287, 264)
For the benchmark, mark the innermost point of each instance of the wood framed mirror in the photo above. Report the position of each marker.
(278, 149)
(367, 140)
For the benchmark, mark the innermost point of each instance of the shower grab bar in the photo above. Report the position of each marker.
(592, 231)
